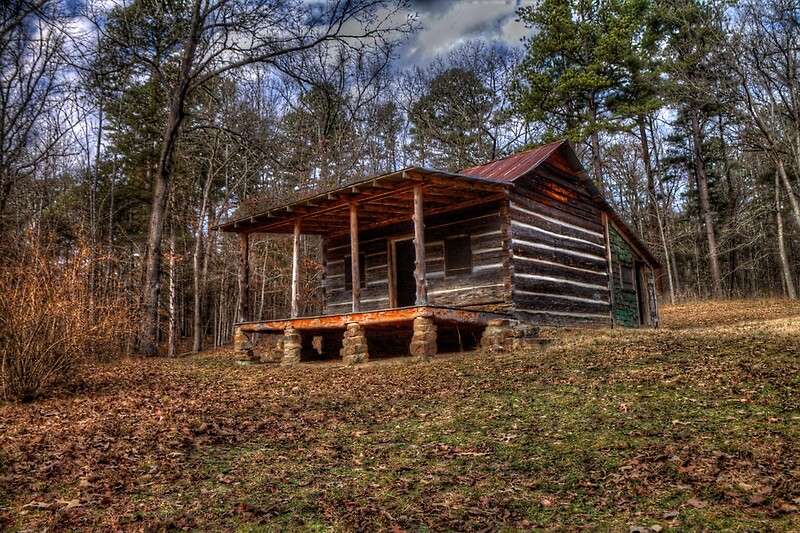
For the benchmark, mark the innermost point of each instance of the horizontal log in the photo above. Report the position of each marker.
(562, 178)
(548, 253)
(346, 307)
(545, 285)
(464, 227)
(370, 247)
(554, 225)
(523, 234)
(558, 211)
(557, 196)
(543, 318)
(464, 296)
(340, 296)
(489, 239)
(556, 270)
(554, 302)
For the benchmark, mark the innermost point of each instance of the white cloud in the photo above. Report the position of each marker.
(447, 23)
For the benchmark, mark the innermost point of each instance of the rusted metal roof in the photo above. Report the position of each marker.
(389, 196)
(512, 167)
(515, 166)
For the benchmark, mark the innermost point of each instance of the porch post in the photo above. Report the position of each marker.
(355, 269)
(244, 277)
(419, 248)
(296, 271)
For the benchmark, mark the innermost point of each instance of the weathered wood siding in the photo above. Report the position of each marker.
(626, 299)
(559, 266)
(626, 307)
(484, 288)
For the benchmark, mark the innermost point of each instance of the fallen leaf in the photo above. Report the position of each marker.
(697, 504)
(37, 505)
(70, 504)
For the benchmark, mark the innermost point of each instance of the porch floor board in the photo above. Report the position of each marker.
(375, 319)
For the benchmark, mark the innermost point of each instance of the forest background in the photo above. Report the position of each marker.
(130, 130)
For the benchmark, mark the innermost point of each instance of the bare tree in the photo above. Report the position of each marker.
(218, 37)
(32, 61)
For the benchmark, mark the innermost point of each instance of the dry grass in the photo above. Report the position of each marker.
(694, 426)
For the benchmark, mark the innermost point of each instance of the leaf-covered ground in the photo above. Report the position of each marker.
(694, 426)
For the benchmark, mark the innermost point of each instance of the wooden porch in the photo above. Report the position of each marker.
(419, 331)
(376, 319)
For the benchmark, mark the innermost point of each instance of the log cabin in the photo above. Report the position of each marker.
(421, 261)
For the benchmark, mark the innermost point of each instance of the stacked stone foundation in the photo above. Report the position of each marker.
(354, 345)
(506, 335)
(242, 346)
(292, 346)
(423, 342)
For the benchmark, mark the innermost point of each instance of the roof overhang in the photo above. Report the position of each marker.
(380, 201)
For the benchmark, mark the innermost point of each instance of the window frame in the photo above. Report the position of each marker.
(462, 269)
(627, 284)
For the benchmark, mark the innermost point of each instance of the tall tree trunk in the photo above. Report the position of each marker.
(786, 268)
(172, 338)
(152, 285)
(652, 209)
(733, 204)
(111, 196)
(789, 191)
(199, 264)
(597, 161)
(705, 206)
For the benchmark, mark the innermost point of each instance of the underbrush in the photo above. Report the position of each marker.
(53, 317)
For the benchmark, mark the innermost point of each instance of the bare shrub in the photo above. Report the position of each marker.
(53, 316)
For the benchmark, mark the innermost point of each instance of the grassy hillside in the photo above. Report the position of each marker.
(693, 426)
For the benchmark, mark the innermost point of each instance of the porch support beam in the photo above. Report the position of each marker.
(354, 258)
(244, 277)
(296, 271)
(419, 247)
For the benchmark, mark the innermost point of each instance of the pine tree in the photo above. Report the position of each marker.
(575, 66)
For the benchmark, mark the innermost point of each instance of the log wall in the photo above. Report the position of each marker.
(626, 299)
(559, 266)
(626, 307)
(483, 289)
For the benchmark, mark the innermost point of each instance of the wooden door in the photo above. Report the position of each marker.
(403, 269)
(642, 295)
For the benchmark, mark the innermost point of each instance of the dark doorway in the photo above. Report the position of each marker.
(642, 296)
(406, 287)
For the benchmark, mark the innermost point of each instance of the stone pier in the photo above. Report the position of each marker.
(423, 342)
(505, 335)
(354, 345)
(242, 345)
(292, 346)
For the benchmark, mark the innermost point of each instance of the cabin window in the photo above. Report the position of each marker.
(348, 272)
(626, 277)
(457, 256)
